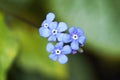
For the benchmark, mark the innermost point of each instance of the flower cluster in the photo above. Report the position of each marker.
(68, 42)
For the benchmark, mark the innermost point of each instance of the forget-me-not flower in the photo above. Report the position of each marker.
(58, 52)
(45, 24)
(75, 36)
(49, 18)
(54, 31)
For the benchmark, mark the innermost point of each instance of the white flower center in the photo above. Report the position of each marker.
(57, 51)
(75, 36)
(45, 25)
(54, 31)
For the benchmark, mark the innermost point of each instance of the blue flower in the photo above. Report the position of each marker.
(45, 24)
(75, 36)
(49, 18)
(58, 52)
(54, 31)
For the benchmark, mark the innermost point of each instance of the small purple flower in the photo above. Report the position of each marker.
(74, 51)
(76, 38)
(54, 31)
(58, 52)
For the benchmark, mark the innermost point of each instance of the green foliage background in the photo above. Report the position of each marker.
(21, 44)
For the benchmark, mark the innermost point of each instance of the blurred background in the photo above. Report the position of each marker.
(23, 54)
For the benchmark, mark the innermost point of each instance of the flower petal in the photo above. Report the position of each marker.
(44, 32)
(53, 57)
(52, 38)
(59, 45)
(66, 49)
(50, 17)
(80, 31)
(60, 36)
(62, 27)
(75, 45)
(62, 59)
(71, 30)
(66, 38)
(50, 47)
(43, 23)
(53, 25)
(82, 40)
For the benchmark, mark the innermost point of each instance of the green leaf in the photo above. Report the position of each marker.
(8, 48)
(99, 19)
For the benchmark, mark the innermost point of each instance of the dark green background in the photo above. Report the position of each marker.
(23, 54)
